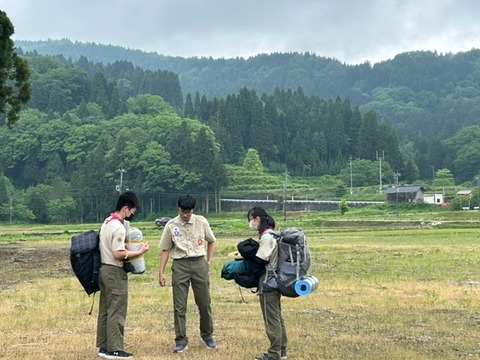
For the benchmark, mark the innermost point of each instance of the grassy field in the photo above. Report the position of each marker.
(391, 287)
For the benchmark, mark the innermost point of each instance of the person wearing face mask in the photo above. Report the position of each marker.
(183, 239)
(113, 280)
(270, 304)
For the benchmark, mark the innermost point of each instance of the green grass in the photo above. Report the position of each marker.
(390, 288)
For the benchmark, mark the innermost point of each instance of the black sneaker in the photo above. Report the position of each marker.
(179, 348)
(210, 343)
(264, 356)
(118, 354)
(283, 356)
(102, 352)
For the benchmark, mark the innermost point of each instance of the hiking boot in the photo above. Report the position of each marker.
(210, 343)
(118, 354)
(102, 352)
(178, 348)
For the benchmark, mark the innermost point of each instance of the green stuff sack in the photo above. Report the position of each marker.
(232, 268)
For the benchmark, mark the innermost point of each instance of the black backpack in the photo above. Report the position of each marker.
(85, 259)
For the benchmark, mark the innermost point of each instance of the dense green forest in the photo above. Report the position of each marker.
(91, 122)
(421, 93)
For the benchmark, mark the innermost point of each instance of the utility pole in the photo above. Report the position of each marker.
(395, 178)
(478, 194)
(395, 184)
(285, 196)
(351, 179)
(119, 188)
(433, 184)
(380, 158)
(396, 202)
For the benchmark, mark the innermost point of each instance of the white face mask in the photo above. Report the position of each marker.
(252, 225)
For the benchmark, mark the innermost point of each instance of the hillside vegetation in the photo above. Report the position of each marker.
(93, 128)
(419, 92)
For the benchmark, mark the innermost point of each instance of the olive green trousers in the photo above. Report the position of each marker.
(274, 324)
(113, 282)
(194, 271)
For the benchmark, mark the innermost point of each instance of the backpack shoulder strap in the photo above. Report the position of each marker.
(275, 234)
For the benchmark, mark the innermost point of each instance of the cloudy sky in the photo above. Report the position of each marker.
(352, 31)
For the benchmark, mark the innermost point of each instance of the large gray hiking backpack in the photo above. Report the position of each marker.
(293, 262)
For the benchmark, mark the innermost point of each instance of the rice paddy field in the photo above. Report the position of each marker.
(392, 286)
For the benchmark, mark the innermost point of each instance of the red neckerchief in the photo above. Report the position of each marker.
(114, 216)
(264, 229)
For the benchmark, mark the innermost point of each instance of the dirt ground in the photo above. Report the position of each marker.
(18, 263)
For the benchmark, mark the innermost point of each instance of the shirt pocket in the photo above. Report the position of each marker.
(178, 238)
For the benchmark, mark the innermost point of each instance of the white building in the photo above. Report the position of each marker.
(433, 198)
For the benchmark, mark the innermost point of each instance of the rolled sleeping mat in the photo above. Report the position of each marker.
(133, 243)
(306, 285)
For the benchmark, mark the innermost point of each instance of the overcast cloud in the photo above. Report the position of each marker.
(352, 31)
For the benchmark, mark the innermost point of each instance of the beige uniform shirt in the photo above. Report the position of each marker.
(268, 250)
(185, 240)
(112, 237)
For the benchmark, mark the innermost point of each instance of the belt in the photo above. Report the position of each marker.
(192, 258)
(103, 264)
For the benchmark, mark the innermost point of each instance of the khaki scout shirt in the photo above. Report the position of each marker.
(268, 250)
(186, 239)
(112, 237)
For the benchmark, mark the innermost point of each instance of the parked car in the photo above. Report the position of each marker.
(162, 221)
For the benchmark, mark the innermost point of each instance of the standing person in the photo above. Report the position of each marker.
(183, 239)
(270, 304)
(113, 280)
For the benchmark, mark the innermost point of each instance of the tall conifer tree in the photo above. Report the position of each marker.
(14, 75)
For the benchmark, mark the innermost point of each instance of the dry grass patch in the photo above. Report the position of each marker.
(381, 296)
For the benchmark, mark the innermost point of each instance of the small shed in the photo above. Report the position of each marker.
(436, 199)
(465, 197)
(409, 193)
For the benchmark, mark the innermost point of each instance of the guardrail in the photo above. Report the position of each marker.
(291, 205)
(300, 201)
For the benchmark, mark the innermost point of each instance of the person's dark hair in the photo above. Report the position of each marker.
(266, 221)
(186, 202)
(271, 222)
(129, 199)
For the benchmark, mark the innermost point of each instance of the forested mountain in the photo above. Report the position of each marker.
(421, 92)
(91, 117)
(307, 135)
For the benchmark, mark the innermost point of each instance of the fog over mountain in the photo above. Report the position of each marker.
(352, 31)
